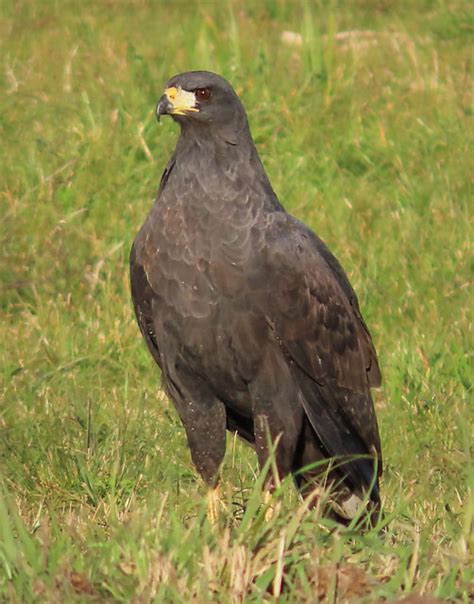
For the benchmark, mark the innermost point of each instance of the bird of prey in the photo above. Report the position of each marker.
(250, 317)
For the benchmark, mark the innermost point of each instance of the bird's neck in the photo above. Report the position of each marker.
(223, 168)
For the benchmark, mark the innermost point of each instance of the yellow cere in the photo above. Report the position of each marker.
(183, 101)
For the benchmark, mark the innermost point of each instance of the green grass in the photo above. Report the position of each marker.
(370, 143)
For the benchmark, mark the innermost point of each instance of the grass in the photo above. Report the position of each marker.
(368, 139)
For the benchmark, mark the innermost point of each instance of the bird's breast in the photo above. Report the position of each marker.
(198, 255)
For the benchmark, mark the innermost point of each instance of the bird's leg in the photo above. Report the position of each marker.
(272, 481)
(204, 419)
(278, 419)
(213, 504)
(272, 508)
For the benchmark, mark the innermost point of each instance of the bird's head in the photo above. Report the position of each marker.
(202, 99)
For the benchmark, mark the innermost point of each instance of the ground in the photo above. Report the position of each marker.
(362, 113)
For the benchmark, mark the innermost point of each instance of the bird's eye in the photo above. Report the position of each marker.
(203, 94)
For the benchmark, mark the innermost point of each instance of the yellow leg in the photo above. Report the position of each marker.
(272, 509)
(213, 504)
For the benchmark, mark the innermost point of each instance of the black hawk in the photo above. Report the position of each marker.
(251, 319)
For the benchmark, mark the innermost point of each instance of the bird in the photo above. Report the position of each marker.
(252, 320)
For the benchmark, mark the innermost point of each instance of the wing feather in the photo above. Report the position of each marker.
(315, 316)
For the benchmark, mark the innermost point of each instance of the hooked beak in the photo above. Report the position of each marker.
(176, 101)
(164, 107)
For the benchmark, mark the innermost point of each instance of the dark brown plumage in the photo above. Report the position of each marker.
(250, 317)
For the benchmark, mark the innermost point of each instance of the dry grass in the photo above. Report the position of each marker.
(364, 123)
